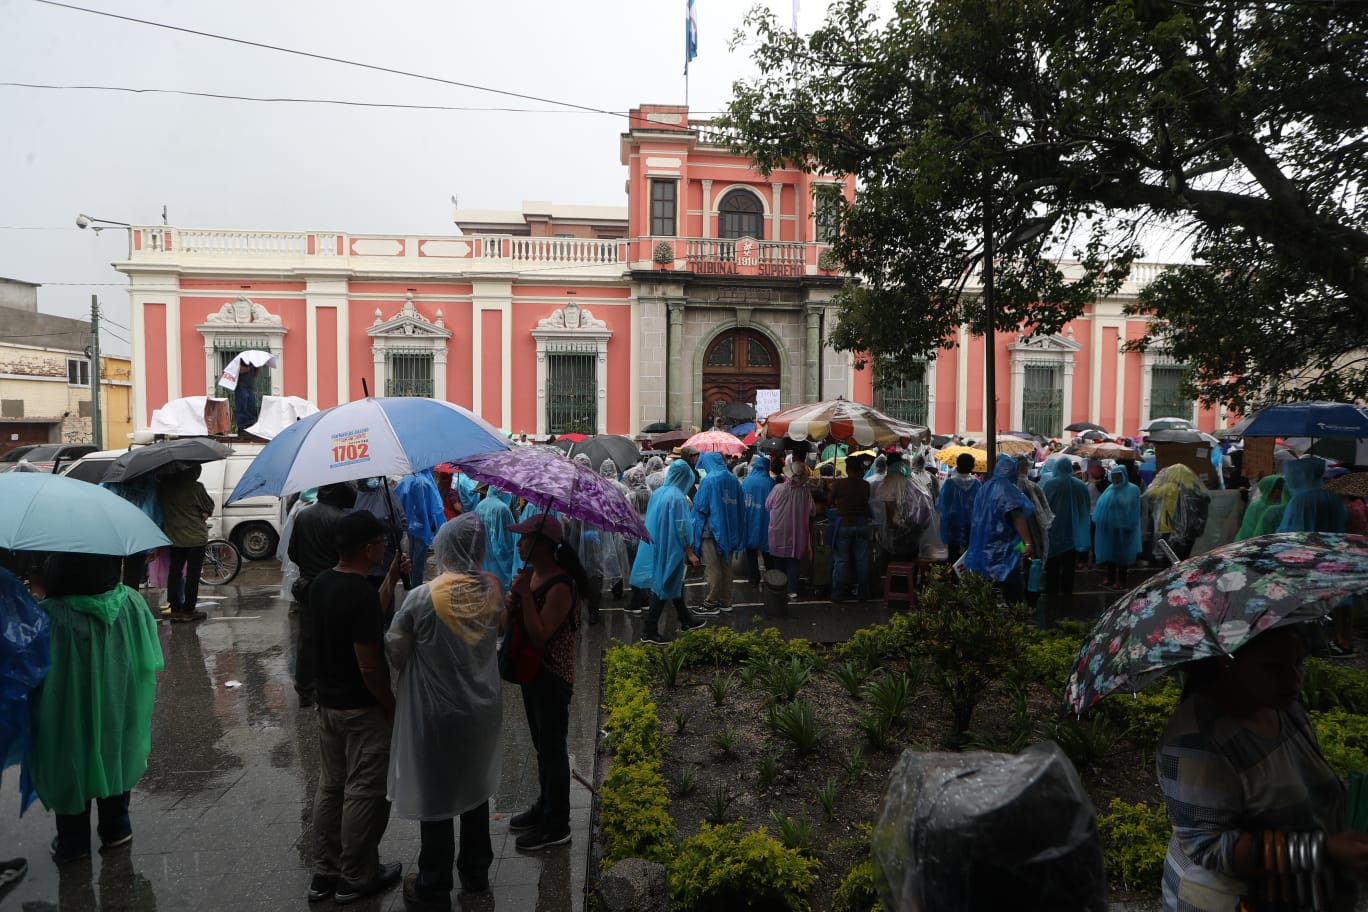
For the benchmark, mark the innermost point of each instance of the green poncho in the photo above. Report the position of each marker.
(92, 715)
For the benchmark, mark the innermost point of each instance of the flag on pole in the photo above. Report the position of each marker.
(690, 35)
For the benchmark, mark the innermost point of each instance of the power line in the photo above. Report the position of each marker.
(113, 323)
(322, 101)
(330, 59)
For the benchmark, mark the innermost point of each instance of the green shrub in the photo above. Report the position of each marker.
(857, 892)
(851, 676)
(1087, 742)
(721, 687)
(767, 771)
(718, 803)
(873, 646)
(784, 680)
(1048, 661)
(634, 726)
(1343, 739)
(967, 640)
(726, 739)
(797, 724)
(828, 793)
(634, 814)
(670, 665)
(1326, 685)
(890, 693)
(723, 868)
(1135, 838)
(687, 780)
(624, 666)
(794, 832)
(1142, 716)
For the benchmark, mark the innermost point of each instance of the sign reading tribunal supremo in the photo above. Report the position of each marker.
(746, 262)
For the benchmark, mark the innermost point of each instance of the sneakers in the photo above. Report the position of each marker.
(635, 612)
(322, 887)
(527, 820)
(385, 878)
(698, 624)
(725, 609)
(654, 639)
(125, 839)
(59, 858)
(1339, 652)
(706, 610)
(535, 840)
(185, 617)
(12, 870)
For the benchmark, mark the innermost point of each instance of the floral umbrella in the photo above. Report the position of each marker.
(724, 442)
(841, 421)
(1213, 604)
(546, 478)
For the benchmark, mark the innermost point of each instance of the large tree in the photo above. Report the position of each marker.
(1238, 126)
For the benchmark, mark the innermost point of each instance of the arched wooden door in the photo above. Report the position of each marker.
(736, 364)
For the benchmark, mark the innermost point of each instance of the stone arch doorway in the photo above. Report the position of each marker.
(737, 363)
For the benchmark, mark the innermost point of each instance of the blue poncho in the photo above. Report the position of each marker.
(993, 540)
(465, 490)
(422, 504)
(501, 546)
(956, 508)
(24, 629)
(754, 490)
(1311, 507)
(1070, 502)
(660, 563)
(717, 507)
(1117, 517)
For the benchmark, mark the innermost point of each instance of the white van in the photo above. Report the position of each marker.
(252, 524)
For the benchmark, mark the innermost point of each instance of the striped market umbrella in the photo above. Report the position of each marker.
(842, 421)
(724, 442)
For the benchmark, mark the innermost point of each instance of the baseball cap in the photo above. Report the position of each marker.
(540, 524)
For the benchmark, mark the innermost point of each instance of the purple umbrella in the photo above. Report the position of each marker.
(544, 477)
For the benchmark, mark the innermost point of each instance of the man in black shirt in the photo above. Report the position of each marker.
(355, 712)
(313, 547)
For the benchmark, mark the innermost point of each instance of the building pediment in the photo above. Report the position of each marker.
(408, 323)
(571, 317)
(1054, 344)
(242, 314)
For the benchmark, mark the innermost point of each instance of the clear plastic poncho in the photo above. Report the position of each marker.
(1311, 508)
(445, 751)
(1177, 502)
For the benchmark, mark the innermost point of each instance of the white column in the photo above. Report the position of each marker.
(1068, 392)
(439, 371)
(931, 390)
(277, 348)
(707, 207)
(378, 370)
(601, 381)
(1147, 360)
(776, 195)
(541, 388)
(1018, 392)
(209, 377)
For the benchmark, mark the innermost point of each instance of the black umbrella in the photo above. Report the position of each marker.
(660, 427)
(165, 457)
(1094, 436)
(1085, 426)
(740, 411)
(669, 440)
(940, 440)
(622, 451)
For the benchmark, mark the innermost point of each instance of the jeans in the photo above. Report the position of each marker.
(73, 830)
(852, 542)
(183, 577)
(718, 570)
(438, 850)
(547, 704)
(658, 608)
(753, 556)
(418, 552)
(351, 811)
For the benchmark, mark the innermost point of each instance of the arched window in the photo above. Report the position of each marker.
(740, 214)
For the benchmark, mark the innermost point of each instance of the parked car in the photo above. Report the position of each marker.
(45, 455)
(252, 524)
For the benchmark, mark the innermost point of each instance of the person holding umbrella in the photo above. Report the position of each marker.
(92, 714)
(1241, 771)
(186, 507)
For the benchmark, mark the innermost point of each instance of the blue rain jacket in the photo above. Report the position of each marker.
(24, 662)
(1071, 504)
(1311, 508)
(465, 490)
(717, 507)
(993, 540)
(660, 563)
(956, 507)
(1117, 517)
(501, 546)
(754, 491)
(422, 504)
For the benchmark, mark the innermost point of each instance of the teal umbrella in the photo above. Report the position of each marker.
(46, 512)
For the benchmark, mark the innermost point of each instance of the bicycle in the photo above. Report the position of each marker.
(222, 561)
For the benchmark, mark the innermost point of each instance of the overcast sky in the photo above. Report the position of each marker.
(250, 164)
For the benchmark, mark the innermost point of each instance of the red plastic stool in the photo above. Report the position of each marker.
(902, 579)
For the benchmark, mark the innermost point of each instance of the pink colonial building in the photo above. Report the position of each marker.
(705, 287)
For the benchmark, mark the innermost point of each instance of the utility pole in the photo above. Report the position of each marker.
(96, 422)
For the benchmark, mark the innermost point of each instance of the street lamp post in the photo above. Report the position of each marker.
(97, 225)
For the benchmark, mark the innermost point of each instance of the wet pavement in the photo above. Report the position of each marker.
(222, 819)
